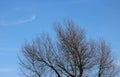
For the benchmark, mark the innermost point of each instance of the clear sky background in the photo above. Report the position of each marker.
(22, 20)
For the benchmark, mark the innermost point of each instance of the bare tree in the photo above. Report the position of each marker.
(78, 55)
(39, 58)
(106, 63)
(71, 55)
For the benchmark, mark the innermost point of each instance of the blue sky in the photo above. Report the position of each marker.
(22, 20)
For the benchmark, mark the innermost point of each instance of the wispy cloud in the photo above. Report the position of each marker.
(15, 22)
(25, 20)
(7, 70)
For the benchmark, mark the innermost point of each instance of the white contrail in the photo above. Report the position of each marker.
(15, 22)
